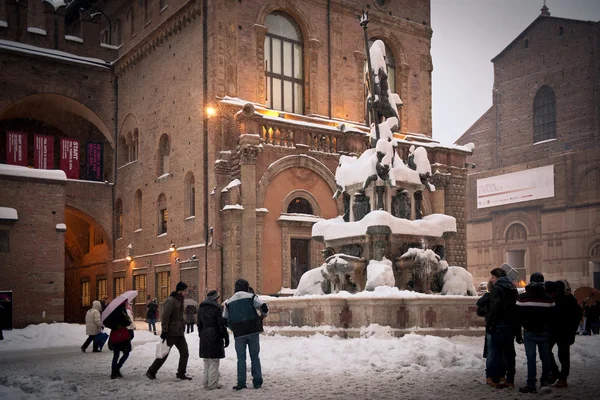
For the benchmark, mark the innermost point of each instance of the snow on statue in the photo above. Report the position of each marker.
(380, 273)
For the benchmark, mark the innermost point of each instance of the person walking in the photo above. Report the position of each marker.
(535, 313)
(501, 328)
(93, 326)
(173, 332)
(151, 315)
(562, 330)
(241, 316)
(213, 338)
(190, 317)
(120, 337)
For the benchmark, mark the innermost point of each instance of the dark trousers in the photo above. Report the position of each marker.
(116, 363)
(501, 354)
(181, 344)
(533, 340)
(564, 357)
(190, 328)
(253, 343)
(90, 339)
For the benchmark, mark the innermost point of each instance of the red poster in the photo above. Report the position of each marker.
(43, 152)
(69, 157)
(16, 148)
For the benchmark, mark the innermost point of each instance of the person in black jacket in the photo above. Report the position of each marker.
(118, 320)
(483, 308)
(151, 315)
(501, 327)
(213, 338)
(562, 330)
(535, 311)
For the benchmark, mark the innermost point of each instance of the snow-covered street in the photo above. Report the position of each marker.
(44, 361)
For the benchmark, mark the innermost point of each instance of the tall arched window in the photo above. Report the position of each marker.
(164, 149)
(123, 150)
(135, 144)
(544, 115)
(130, 147)
(300, 206)
(137, 210)
(189, 195)
(163, 215)
(118, 219)
(284, 63)
(131, 22)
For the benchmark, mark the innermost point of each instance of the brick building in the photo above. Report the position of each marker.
(543, 128)
(218, 124)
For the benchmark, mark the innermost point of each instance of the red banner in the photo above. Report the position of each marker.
(69, 157)
(16, 148)
(43, 152)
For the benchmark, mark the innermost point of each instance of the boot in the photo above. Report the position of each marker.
(528, 389)
(82, 349)
(489, 381)
(151, 375)
(114, 374)
(562, 383)
(183, 377)
(119, 374)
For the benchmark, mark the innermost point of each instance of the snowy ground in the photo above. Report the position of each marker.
(44, 361)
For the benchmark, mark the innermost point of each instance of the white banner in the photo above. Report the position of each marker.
(531, 184)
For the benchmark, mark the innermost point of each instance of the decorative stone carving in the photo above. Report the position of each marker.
(401, 204)
(354, 250)
(379, 248)
(362, 205)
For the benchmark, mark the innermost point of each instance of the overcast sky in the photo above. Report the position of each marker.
(467, 34)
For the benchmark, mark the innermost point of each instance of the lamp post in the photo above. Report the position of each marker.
(364, 21)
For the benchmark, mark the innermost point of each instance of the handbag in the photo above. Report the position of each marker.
(162, 348)
(100, 339)
(119, 336)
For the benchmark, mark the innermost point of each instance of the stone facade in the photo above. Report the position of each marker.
(556, 236)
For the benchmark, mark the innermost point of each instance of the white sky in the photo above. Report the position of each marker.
(467, 34)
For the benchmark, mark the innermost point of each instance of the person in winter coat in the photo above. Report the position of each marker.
(562, 330)
(501, 328)
(483, 308)
(117, 320)
(173, 332)
(151, 315)
(535, 309)
(241, 317)
(93, 326)
(190, 317)
(213, 338)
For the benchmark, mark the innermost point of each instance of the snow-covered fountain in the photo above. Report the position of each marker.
(383, 258)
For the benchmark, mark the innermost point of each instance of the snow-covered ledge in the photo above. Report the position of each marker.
(3, 24)
(37, 31)
(61, 228)
(73, 38)
(9, 214)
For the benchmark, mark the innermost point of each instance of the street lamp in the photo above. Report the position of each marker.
(172, 247)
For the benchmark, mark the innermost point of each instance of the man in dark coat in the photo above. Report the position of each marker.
(562, 330)
(501, 327)
(213, 338)
(242, 318)
(151, 315)
(173, 332)
(535, 309)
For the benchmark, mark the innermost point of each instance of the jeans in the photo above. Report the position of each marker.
(564, 356)
(253, 343)
(116, 363)
(540, 341)
(152, 324)
(500, 361)
(184, 355)
(90, 339)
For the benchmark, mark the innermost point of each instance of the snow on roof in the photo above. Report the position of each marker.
(8, 213)
(14, 170)
(262, 210)
(232, 207)
(299, 217)
(233, 183)
(431, 225)
(50, 53)
(61, 227)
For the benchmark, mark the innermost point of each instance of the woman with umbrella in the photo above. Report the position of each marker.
(115, 317)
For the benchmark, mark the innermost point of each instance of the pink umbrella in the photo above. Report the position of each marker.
(127, 296)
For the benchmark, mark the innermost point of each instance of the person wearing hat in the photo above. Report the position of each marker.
(535, 312)
(213, 338)
(173, 324)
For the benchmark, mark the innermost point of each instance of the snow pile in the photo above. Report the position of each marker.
(380, 273)
(233, 183)
(431, 225)
(377, 331)
(423, 256)
(14, 170)
(312, 282)
(421, 160)
(8, 213)
(458, 281)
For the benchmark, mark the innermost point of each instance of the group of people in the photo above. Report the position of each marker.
(242, 313)
(545, 315)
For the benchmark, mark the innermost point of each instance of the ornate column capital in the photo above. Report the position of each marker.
(249, 148)
(440, 180)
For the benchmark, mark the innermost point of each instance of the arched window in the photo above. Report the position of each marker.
(544, 115)
(189, 196)
(300, 206)
(135, 144)
(123, 150)
(118, 219)
(137, 210)
(163, 215)
(130, 147)
(131, 22)
(284, 63)
(164, 149)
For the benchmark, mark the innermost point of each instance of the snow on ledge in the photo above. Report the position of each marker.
(299, 218)
(190, 218)
(13, 170)
(110, 46)
(232, 207)
(37, 31)
(61, 227)
(54, 54)
(72, 38)
(9, 213)
(431, 225)
(544, 141)
(162, 235)
(233, 183)
(3, 24)
(262, 210)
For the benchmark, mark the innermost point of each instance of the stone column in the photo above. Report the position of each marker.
(248, 153)
(440, 181)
